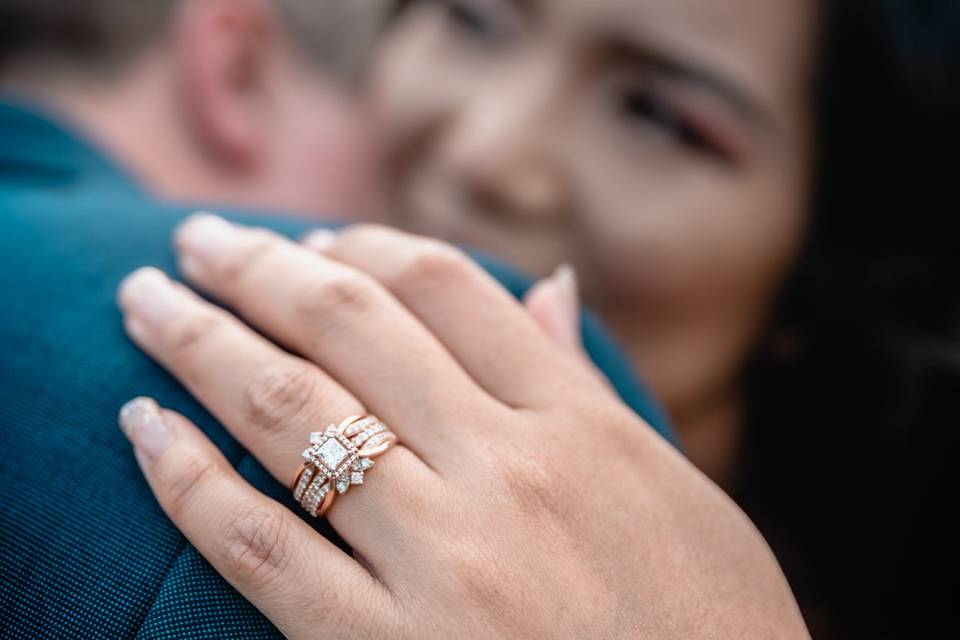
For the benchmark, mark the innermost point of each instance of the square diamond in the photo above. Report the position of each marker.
(332, 453)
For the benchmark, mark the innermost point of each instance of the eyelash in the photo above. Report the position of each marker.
(636, 103)
(470, 20)
(644, 104)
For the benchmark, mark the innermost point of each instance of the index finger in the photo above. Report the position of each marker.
(273, 558)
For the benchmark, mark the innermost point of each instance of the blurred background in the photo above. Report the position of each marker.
(756, 196)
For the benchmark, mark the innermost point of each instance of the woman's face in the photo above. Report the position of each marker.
(660, 146)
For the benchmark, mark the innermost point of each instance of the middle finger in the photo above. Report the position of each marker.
(341, 319)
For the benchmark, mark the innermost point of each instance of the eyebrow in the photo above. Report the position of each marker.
(673, 65)
(529, 7)
(740, 99)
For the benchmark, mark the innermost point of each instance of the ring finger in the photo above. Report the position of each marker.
(269, 399)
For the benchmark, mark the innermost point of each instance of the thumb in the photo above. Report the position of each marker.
(554, 303)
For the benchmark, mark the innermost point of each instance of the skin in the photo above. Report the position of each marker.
(659, 147)
(524, 501)
(221, 108)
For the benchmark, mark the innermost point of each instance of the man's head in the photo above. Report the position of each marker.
(244, 102)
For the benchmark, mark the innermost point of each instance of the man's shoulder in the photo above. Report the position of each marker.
(65, 251)
(78, 527)
(86, 241)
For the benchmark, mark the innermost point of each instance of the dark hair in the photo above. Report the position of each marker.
(853, 419)
(103, 35)
(854, 402)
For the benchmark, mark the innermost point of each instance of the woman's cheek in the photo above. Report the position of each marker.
(639, 233)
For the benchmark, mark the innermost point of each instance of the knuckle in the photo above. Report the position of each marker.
(617, 433)
(479, 575)
(344, 295)
(255, 543)
(279, 395)
(368, 233)
(179, 485)
(464, 563)
(184, 335)
(433, 264)
(534, 485)
(234, 265)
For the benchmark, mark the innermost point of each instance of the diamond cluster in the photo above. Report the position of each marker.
(337, 460)
(354, 428)
(330, 451)
(303, 482)
(367, 434)
(314, 496)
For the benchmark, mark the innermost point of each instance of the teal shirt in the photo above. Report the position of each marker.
(85, 551)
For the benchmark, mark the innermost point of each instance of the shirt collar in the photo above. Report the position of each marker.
(38, 144)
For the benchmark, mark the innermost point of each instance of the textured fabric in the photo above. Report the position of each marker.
(85, 551)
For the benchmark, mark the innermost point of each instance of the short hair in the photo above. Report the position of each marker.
(106, 35)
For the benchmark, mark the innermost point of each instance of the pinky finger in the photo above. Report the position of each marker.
(555, 306)
(273, 558)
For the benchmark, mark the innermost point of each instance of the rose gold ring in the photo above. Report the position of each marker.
(337, 459)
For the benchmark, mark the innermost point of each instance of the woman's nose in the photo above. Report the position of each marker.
(501, 155)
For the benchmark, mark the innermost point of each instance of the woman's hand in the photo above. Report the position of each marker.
(524, 501)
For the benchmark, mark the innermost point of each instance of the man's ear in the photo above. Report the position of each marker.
(223, 50)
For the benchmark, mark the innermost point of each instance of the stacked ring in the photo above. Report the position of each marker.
(337, 459)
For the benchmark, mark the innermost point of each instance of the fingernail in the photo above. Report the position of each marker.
(202, 234)
(566, 278)
(319, 240)
(144, 426)
(148, 295)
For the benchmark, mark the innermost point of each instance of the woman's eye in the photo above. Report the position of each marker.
(471, 20)
(644, 105)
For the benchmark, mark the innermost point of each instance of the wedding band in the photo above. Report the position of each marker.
(337, 459)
